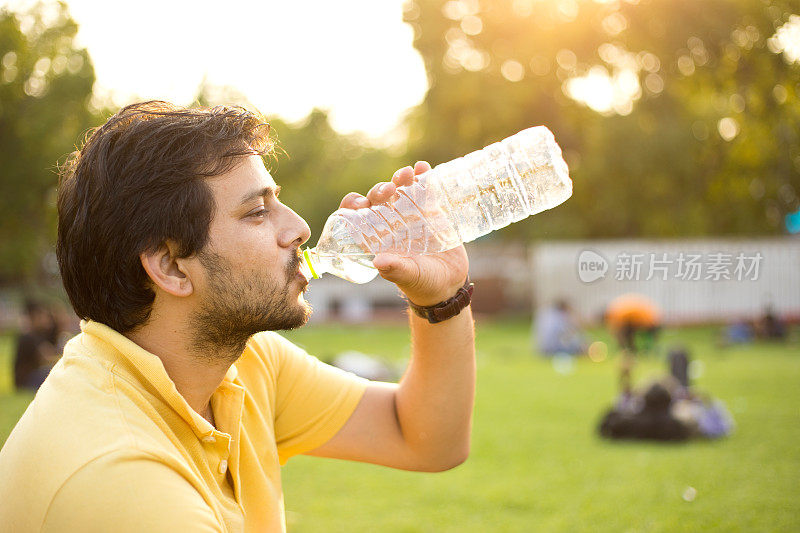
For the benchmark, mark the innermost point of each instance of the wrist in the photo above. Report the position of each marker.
(427, 297)
(444, 308)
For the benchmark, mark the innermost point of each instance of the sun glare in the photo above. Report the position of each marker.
(604, 92)
(787, 40)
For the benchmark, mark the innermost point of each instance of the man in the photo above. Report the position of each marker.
(635, 321)
(175, 406)
(556, 331)
(36, 350)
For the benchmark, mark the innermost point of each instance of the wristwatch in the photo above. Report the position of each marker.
(446, 309)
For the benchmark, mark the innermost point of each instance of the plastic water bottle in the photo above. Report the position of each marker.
(452, 203)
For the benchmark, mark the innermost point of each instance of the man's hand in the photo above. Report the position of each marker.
(424, 279)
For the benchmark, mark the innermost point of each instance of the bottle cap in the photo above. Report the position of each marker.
(307, 266)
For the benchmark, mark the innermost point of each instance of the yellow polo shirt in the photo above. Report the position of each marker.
(109, 444)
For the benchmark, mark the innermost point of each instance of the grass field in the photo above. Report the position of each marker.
(536, 462)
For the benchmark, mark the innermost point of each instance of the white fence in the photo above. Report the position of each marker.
(692, 280)
(713, 280)
(334, 298)
(500, 271)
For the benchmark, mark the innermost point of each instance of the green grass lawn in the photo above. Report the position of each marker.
(536, 462)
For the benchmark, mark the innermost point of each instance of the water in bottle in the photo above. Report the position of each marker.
(453, 203)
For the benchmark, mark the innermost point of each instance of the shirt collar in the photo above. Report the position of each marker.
(136, 363)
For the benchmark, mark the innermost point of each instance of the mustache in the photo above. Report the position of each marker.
(294, 263)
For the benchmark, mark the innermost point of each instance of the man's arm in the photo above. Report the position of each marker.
(424, 422)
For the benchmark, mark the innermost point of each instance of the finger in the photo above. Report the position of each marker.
(397, 269)
(404, 176)
(381, 192)
(421, 166)
(353, 200)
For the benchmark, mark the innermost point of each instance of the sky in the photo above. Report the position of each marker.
(353, 58)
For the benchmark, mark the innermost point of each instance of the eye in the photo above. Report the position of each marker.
(259, 213)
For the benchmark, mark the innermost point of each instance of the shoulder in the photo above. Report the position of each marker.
(270, 342)
(129, 489)
(270, 350)
(77, 416)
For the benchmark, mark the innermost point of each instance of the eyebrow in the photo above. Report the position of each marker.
(262, 193)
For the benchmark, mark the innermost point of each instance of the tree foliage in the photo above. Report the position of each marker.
(317, 166)
(702, 138)
(45, 87)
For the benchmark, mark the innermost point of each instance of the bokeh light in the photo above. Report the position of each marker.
(563, 364)
(728, 128)
(696, 369)
(598, 351)
(780, 94)
(613, 87)
(603, 92)
(787, 40)
(512, 70)
(471, 25)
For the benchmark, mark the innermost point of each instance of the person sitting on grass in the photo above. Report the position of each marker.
(652, 420)
(176, 405)
(667, 409)
(557, 332)
(36, 347)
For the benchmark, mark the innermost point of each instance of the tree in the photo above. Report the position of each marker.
(317, 166)
(45, 87)
(676, 117)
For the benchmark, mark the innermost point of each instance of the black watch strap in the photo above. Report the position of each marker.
(446, 309)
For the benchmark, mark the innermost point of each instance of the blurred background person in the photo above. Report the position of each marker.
(652, 420)
(635, 321)
(770, 326)
(36, 351)
(557, 332)
(668, 408)
(678, 362)
(740, 332)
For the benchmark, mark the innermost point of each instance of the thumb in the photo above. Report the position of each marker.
(397, 269)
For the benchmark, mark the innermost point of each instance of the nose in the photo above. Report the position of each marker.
(295, 231)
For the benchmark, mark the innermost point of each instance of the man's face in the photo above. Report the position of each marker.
(251, 281)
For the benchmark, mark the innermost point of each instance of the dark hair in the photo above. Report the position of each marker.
(561, 304)
(138, 181)
(657, 398)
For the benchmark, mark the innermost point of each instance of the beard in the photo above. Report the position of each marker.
(238, 306)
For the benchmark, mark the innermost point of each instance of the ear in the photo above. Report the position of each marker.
(167, 270)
